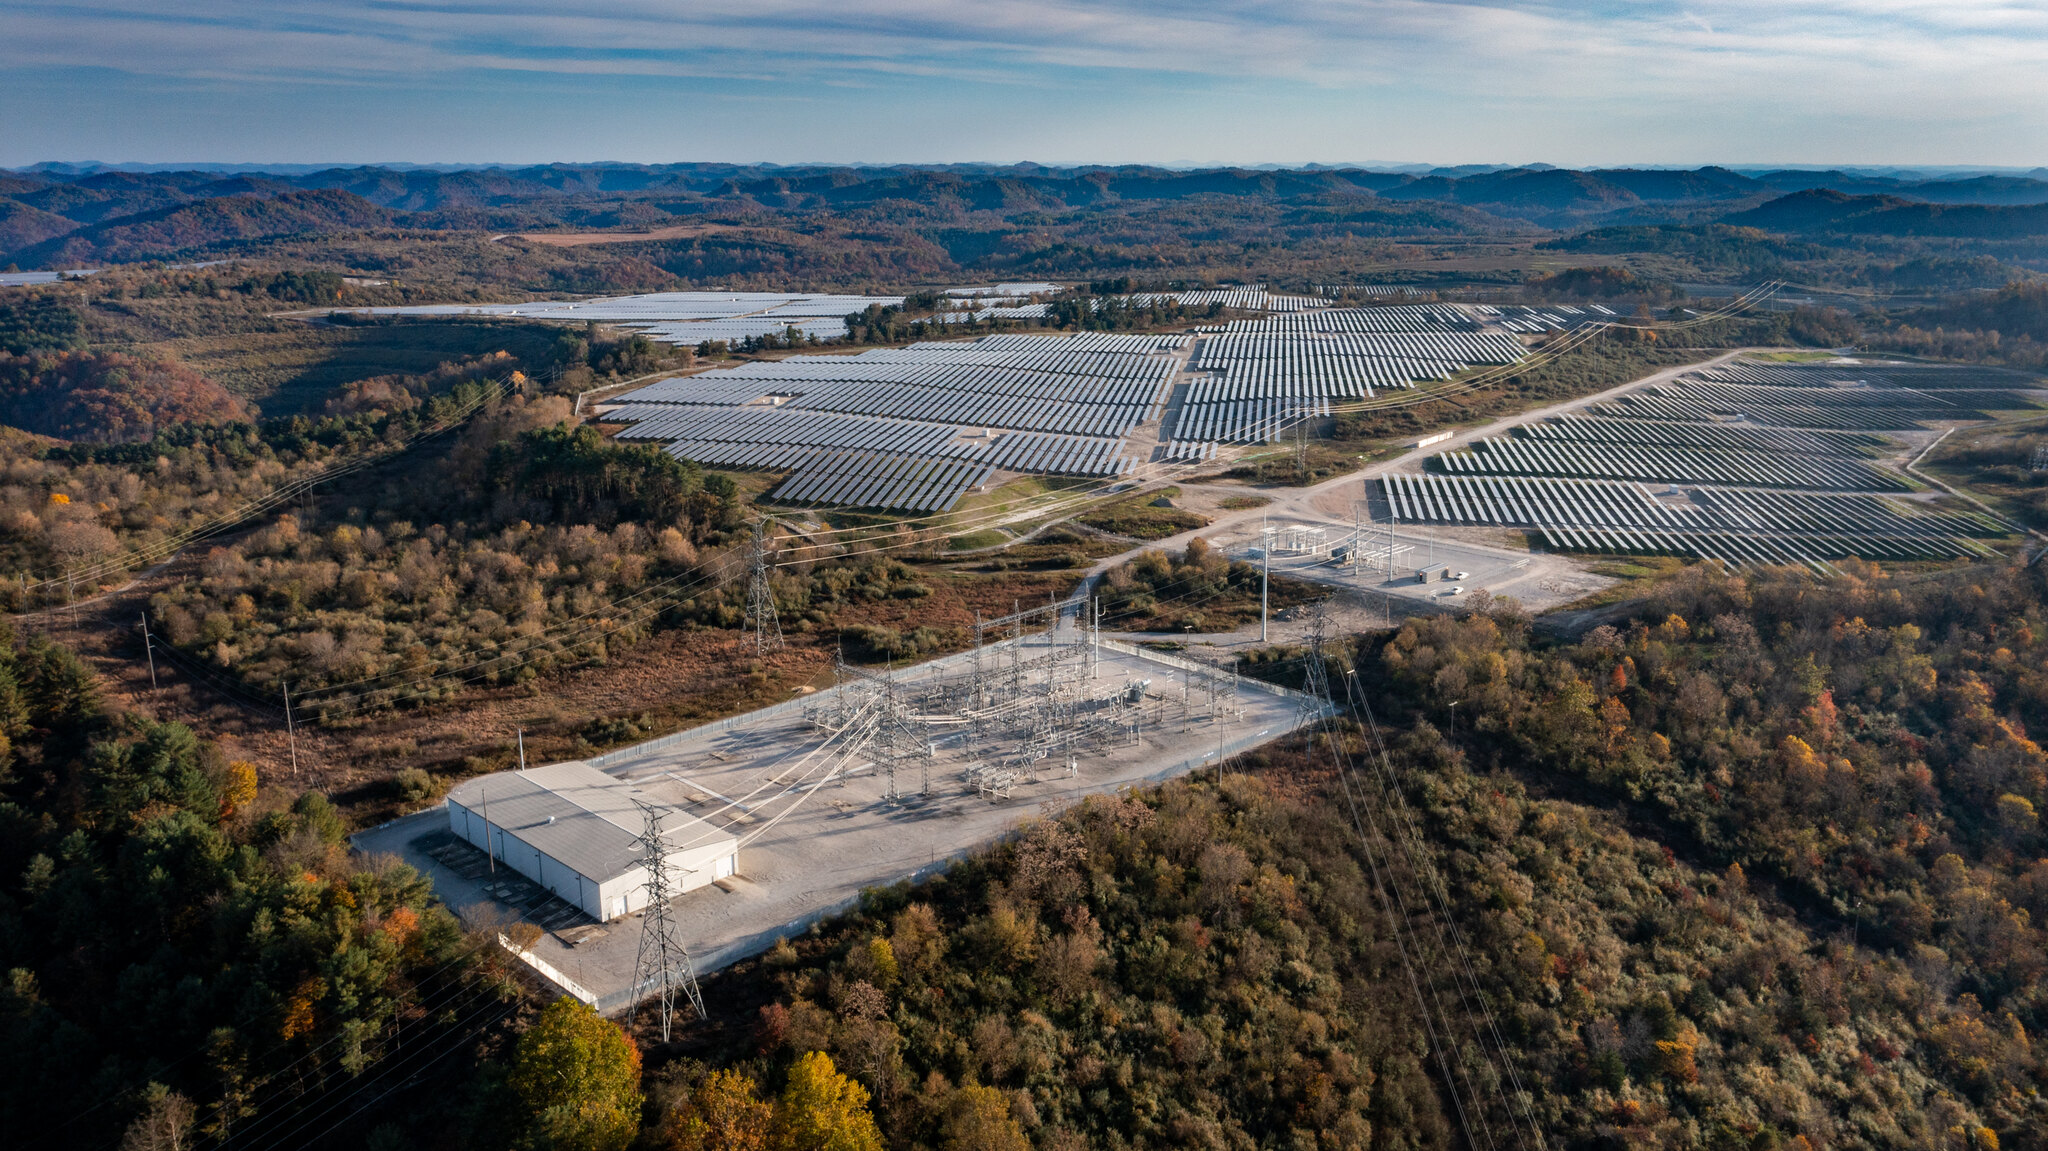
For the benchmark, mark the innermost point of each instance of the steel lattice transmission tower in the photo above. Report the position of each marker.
(761, 619)
(1315, 689)
(664, 966)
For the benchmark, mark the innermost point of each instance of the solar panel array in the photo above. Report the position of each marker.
(1369, 289)
(1547, 318)
(1255, 377)
(880, 480)
(1855, 408)
(1553, 455)
(1250, 299)
(1729, 524)
(993, 312)
(687, 318)
(1742, 432)
(914, 428)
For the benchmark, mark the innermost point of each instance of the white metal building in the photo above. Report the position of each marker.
(575, 831)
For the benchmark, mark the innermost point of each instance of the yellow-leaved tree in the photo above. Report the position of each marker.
(579, 1077)
(822, 1110)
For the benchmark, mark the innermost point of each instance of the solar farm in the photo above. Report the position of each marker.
(919, 428)
(1253, 378)
(687, 318)
(915, 428)
(1745, 462)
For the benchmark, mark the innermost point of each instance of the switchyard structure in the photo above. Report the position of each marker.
(776, 817)
(1029, 706)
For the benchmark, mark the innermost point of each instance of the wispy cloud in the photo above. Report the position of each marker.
(1913, 60)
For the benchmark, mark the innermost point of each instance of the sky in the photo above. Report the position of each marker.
(1606, 82)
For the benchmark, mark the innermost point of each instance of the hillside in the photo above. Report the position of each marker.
(122, 216)
(1826, 211)
(210, 224)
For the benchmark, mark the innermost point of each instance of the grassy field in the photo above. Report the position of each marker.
(1994, 464)
(1139, 517)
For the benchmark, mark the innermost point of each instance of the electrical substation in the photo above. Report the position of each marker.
(777, 817)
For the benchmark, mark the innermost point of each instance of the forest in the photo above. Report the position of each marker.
(1766, 879)
(1742, 861)
(1751, 866)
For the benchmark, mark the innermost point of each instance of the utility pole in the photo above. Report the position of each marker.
(664, 963)
(291, 729)
(761, 594)
(490, 853)
(1265, 573)
(1357, 539)
(149, 650)
(522, 749)
(1094, 635)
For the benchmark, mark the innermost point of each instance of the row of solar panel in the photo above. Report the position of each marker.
(1398, 318)
(784, 426)
(1939, 377)
(969, 410)
(1737, 549)
(1899, 414)
(1550, 503)
(1228, 348)
(1738, 395)
(745, 431)
(1385, 374)
(1356, 378)
(1243, 299)
(967, 375)
(1245, 421)
(1058, 455)
(871, 480)
(1652, 462)
(1712, 436)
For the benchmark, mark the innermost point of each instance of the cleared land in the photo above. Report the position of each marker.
(819, 842)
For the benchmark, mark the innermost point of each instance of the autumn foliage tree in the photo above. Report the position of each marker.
(578, 1077)
(819, 1109)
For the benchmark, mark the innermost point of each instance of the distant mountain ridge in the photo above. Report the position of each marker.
(54, 215)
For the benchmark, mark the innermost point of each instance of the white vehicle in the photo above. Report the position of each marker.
(1461, 575)
(1454, 589)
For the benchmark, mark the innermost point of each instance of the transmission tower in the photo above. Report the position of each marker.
(1315, 688)
(664, 964)
(761, 595)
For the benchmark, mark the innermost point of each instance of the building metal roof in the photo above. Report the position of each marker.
(579, 816)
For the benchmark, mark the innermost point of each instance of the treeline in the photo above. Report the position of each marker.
(1199, 590)
(108, 397)
(2006, 327)
(187, 947)
(63, 505)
